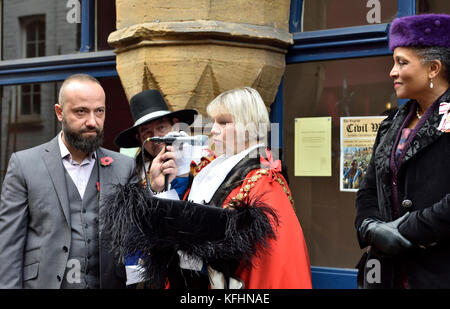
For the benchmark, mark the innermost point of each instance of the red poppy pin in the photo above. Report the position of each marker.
(274, 166)
(106, 161)
(444, 110)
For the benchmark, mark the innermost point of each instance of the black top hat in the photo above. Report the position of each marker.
(147, 106)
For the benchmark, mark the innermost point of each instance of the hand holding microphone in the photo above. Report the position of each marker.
(187, 148)
(175, 159)
(163, 169)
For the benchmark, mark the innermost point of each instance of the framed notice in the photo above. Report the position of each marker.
(357, 137)
(313, 146)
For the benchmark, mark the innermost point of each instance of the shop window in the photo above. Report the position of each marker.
(338, 88)
(432, 6)
(46, 28)
(52, 27)
(328, 14)
(33, 34)
(33, 29)
(30, 100)
(105, 22)
(27, 118)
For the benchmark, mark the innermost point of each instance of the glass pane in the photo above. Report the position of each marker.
(25, 108)
(30, 102)
(118, 115)
(106, 22)
(355, 87)
(31, 31)
(26, 89)
(432, 6)
(40, 28)
(37, 103)
(328, 14)
(48, 20)
(19, 131)
(31, 50)
(41, 49)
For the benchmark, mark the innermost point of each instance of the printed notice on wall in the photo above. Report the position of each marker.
(313, 146)
(357, 137)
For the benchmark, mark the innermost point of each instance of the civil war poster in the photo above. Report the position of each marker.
(357, 137)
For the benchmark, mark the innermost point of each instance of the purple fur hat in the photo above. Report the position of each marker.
(420, 30)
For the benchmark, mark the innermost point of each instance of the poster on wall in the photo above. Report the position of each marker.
(357, 137)
(313, 146)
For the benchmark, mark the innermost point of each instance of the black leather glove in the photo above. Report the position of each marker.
(385, 235)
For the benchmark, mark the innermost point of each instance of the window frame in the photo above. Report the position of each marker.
(333, 44)
(56, 68)
(32, 116)
(25, 22)
(340, 43)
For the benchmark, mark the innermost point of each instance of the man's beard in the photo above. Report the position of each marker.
(84, 144)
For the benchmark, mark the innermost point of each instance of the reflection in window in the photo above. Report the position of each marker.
(27, 118)
(328, 14)
(105, 21)
(36, 28)
(34, 36)
(30, 100)
(338, 88)
(432, 6)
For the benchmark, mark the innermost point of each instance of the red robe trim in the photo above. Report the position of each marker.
(286, 265)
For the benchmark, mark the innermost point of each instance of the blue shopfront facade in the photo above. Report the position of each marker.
(314, 46)
(325, 45)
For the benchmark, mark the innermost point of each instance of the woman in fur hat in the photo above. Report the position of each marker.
(403, 205)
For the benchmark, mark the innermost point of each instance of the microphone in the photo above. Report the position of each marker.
(170, 139)
(197, 140)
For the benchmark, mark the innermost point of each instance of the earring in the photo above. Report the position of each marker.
(431, 84)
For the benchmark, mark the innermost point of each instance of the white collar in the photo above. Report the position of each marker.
(209, 179)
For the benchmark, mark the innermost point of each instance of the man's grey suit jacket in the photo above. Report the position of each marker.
(35, 232)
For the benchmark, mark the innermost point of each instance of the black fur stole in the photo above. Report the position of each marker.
(154, 228)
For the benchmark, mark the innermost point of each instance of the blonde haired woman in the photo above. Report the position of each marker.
(246, 172)
(248, 114)
(237, 229)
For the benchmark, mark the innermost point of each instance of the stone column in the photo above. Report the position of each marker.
(192, 50)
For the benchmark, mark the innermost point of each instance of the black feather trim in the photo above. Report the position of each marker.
(139, 223)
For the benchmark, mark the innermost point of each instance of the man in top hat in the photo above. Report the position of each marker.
(152, 117)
